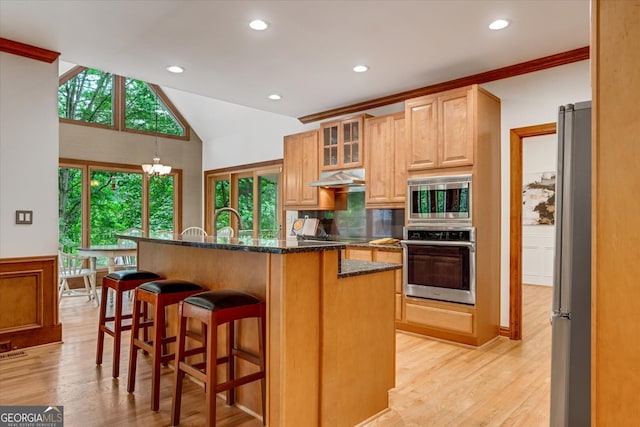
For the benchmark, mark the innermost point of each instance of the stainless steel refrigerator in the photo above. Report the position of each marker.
(571, 311)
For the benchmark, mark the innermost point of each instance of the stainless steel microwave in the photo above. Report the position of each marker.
(440, 200)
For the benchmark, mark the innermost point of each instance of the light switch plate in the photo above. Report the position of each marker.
(24, 217)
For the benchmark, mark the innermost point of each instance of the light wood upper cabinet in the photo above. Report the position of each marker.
(300, 168)
(441, 129)
(385, 161)
(421, 119)
(341, 143)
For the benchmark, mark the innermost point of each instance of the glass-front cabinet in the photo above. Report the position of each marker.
(341, 143)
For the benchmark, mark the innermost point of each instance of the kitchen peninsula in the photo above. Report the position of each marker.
(330, 322)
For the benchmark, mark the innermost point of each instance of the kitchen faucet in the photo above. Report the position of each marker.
(214, 234)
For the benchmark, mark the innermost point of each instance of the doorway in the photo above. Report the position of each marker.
(517, 135)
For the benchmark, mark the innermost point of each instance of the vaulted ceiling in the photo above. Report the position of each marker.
(307, 53)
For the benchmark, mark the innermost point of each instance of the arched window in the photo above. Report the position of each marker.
(87, 97)
(92, 97)
(144, 110)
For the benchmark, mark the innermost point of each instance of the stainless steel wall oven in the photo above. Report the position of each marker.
(440, 263)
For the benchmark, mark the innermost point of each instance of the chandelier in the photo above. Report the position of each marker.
(156, 168)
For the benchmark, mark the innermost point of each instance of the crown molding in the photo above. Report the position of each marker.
(550, 61)
(28, 51)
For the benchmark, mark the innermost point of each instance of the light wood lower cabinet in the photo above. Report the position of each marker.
(441, 318)
(382, 255)
(461, 323)
(472, 325)
(360, 254)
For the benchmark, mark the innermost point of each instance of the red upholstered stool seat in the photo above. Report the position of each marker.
(159, 294)
(214, 308)
(121, 282)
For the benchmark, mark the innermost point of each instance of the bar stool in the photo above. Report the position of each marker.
(121, 282)
(214, 308)
(159, 294)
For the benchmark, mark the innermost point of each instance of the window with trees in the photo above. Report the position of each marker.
(87, 97)
(70, 208)
(98, 201)
(97, 98)
(145, 111)
(253, 190)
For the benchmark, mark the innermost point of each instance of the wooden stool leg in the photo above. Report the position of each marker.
(117, 338)
(145, 316)
(212, 371)
(231, 362)
(133, 353)
(101, 324)
(178, 373)
(261, 350)
(158, 335)
(163, 331)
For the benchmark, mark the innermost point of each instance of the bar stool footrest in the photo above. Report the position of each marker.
(239, 381)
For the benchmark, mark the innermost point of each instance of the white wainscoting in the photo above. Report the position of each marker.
(538, 242)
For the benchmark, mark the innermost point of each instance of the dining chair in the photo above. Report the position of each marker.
(71, 266)
(225, 232)
(194, 231)
(128, 262)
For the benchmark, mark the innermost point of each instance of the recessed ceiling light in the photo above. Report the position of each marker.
(175, 69)
(360, 68)
(499, 24)
(275, 97)
(258, 25)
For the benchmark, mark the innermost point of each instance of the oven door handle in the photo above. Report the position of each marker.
(406, 243)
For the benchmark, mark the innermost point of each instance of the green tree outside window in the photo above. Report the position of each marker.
(87, 97)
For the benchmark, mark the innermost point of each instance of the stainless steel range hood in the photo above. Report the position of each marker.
(345, 179)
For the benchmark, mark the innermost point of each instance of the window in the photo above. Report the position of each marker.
(269, 206)
(222, 199)
(87, 97)
(115, 204)
(253, 190)
(69, 208)
(246, 205)
(96, 202)
(143, 107)
(162, 204)
(93, 97)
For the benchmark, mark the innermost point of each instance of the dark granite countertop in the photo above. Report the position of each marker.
(350, 267)
(274, 246)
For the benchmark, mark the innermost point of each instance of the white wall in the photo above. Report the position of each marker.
(28, 155)
(527, 100)
(235, 135)
(539, 154)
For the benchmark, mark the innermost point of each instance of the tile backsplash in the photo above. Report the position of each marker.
(356, 222)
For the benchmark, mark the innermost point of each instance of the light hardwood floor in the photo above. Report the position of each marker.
(504, 383)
